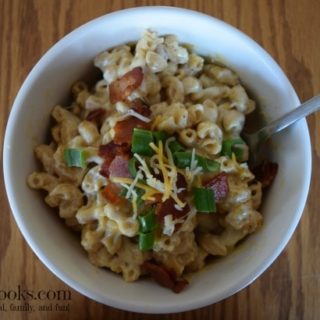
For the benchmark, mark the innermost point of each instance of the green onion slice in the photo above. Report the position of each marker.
(148, 224)
(183, 160)
(132, 165)
(148, 221)
(146, 240)
(141, 140)
(208, 165)
(140, 193)
(241, 152)
(175, 146)
(235, 146)
(204, 200)
(75, 157)
(159, 136)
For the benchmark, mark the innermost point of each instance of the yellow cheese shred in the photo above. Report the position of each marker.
(161, 158)
(169, 180)
(154, 186)
(138, 184)
(155, 122)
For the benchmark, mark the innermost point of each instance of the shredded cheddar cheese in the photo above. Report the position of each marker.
(140, 185)
(155, 122)
(169, 173)
(161, 164)
(161, 158)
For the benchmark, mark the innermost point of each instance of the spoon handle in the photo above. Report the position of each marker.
(286, 120)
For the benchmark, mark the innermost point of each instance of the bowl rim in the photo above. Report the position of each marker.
(43, 256)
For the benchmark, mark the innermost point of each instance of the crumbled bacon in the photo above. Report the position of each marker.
(164, 276)
(138, 106)
(169, 206)
(112, 149)
(109, 152)
(121, 88)
(182, 184)
(266, 172)
(104, 171)
(219, 185)
(124, 129)
(119, 167)
(111, 192)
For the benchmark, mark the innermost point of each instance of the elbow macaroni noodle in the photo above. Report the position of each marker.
(199, 102)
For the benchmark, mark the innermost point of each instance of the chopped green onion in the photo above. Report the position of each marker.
(238, 152)
(235, 146)
(159, 136)
(140, 193)
(146, 240)
(75, 157)
(148, 224)
(208, 165)
(148, 221)
(132, 165)
(141, 140)
(182, 159)
(241, 152)
(175, 146)
(204, 200)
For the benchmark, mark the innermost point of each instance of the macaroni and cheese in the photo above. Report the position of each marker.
(149, 164)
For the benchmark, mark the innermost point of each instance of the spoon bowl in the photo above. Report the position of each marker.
(256, 140)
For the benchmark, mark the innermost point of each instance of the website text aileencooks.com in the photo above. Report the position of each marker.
(20, 294)
(26, 300)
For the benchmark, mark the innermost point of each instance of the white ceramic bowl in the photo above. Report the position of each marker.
(49, 83)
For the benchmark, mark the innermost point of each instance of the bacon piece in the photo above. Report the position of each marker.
(112, 149)
(104, 171)
(182, 183)
(219, 185)
(124, 129)
(120, 89)
(111, 192)
(109, 152)
(119, 167)
(266, 172)
(165, 277)
(138, 106)
(96, 115)
(168, 207)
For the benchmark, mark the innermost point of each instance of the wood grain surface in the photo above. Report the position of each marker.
(290, 32)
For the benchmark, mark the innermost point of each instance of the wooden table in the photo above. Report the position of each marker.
(290, 31)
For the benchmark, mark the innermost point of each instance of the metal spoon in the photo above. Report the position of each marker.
(256, 139)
